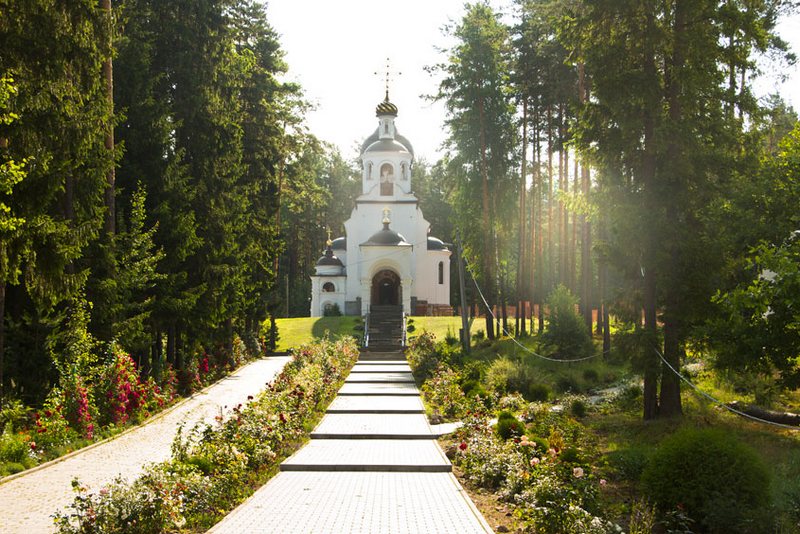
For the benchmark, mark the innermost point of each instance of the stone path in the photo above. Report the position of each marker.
(26, 502)
(373, 465)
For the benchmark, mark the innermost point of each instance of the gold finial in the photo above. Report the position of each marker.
(328, 242)
(388, 77)
(386, 213)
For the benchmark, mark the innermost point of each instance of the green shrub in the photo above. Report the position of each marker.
(591, 375)
(536, 392)
(719, 483)
(14, 448)
(628, 463)
(568, 384)
(501, 375)
(577, 407)
(566, 332)
(508, 425)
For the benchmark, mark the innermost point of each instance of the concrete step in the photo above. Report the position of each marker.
(397, 456)
(380, 377)
(373, 426)
(385, 404)
(384, 389)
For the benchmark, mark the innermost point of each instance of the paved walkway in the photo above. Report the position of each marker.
(373, 465)
(27, 502)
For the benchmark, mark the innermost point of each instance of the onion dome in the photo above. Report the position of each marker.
(386, 108)
(434, 243)
(328, 259)
(340, 243)
(386, 237)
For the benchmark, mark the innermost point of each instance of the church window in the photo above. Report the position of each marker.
(387, 180)
(441, 272)
(369, 171)
(386, 127)
(329, 287)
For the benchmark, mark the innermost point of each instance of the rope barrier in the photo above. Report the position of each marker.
(718, 402)
(512, 338)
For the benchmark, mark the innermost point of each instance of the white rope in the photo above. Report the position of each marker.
(512, 338)
(718, 402)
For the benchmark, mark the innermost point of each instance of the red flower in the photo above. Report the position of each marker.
(463, 446)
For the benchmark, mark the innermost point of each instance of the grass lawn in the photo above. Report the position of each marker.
(296, 331)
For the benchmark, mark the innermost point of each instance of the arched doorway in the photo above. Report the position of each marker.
(386, 288)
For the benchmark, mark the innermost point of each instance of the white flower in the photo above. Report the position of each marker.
(767, 313)
(577, 472)
(767, 275)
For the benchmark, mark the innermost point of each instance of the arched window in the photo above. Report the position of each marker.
(369, 171)
(328, 287)
(441, 272)
(387, 180)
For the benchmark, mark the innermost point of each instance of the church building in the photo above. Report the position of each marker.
(387, 256)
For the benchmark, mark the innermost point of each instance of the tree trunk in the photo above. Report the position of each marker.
(171, 345)
(650, 237)
(520, 297)
(108, 76)
(670, 401)
(2, 338)
(487, 233)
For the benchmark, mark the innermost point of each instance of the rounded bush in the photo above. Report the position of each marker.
(591, 375)
(568, 384)
(508, 425)
(717, 481)
(566, 330)
(537, 392)
(577, 407)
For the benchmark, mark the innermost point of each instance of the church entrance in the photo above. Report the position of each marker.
(386, 288)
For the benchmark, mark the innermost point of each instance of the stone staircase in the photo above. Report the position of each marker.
(385, 329)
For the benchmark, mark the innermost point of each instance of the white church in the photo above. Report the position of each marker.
(387, 256)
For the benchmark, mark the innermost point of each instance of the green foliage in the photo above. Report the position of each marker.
(508, 426)
(628, 463)
(719, 482)
(214, 467)
(758, 328)
(577, 407)
(566, 331)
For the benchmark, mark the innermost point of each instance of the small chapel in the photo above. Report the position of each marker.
(387, 255)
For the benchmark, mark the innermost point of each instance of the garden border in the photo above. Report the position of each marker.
(162, 413)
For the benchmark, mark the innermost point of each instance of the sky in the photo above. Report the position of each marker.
(337, 50)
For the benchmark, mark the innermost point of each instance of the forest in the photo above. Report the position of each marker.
(162, 198)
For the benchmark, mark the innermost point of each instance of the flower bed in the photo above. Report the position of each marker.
(96, 400)
(214, 467)
(538, 460)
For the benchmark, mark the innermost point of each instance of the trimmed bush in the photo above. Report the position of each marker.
(591, 375)
(577, 407)
(721, 484)
(628, 463)
(537, 392)
(508, 425)
(566, 332)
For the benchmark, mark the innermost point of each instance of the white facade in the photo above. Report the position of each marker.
(387, 256)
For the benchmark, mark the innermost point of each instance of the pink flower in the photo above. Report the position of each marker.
(603, 482)
(535, 461)
(577, 472)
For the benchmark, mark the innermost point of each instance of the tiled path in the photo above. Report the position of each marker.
(372, 466)
(27, 502)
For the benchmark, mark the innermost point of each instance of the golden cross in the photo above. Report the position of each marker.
(329, 242)
(388, 76)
